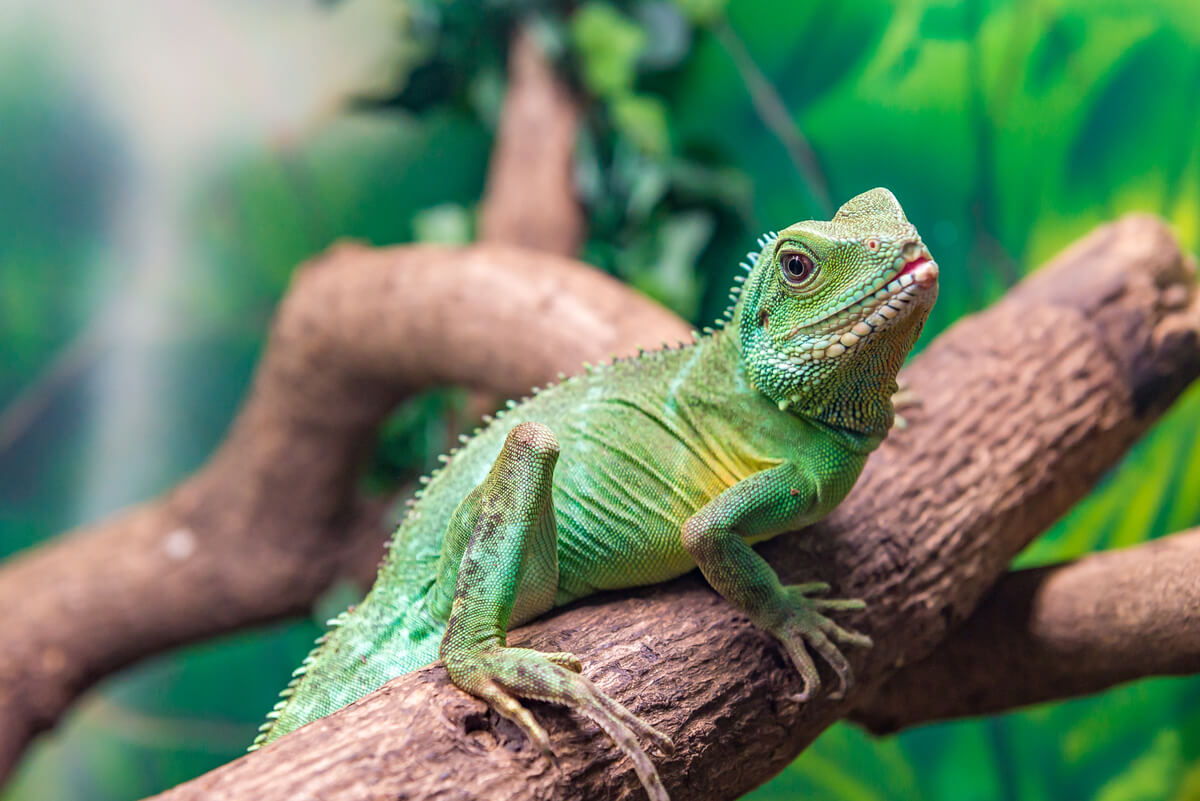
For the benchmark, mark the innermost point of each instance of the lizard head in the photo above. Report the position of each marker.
(831, 309)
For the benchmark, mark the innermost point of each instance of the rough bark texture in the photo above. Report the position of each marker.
(1057, 632)
(1024, 407)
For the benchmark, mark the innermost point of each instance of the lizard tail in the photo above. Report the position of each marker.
(265, 731)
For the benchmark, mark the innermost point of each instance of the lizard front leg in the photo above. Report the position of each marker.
(764, 504)
(509, 562)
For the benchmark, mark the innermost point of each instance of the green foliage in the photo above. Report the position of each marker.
(55, 158)
(446, 224)
(412, 437)
(1006, 128)
(608, 45)
(702, 12)
(643, 120)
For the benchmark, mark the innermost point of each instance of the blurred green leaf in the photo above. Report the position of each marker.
(444, 224)
(662, 268)
(608, 45)
(702, 12)
(644, 121)
(668, 34)
(1149, 777)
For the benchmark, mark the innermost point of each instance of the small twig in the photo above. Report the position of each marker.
(24, 410)
(774, 114)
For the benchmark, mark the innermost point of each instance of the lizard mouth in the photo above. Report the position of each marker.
(913, 285)
(887, 305)
(923, 269)
(913, 275)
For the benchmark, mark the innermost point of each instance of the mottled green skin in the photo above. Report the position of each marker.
(638, 472)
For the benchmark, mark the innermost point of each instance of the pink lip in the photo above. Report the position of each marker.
(914, 264)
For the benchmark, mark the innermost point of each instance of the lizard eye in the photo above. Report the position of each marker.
(797, 267)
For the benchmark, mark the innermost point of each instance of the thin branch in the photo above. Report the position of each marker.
(775, 115)
(30, 403)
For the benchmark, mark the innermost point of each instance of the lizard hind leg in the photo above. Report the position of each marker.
(509, 563)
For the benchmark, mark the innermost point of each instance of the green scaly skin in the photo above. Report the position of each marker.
(640, 471)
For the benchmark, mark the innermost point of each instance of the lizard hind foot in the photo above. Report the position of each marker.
(501, 675)
(499, 554)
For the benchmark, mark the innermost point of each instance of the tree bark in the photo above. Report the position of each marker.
(1024, 407)
(1057, 632)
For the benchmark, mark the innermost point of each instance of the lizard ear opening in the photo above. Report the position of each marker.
(878, 203)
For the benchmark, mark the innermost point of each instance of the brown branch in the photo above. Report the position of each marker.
(1057, 632)
(273, 518)
(1025, 406)
(530, 198)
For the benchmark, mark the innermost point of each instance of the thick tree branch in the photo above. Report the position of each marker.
(273, 518)
(1025, 406)
(1057, 632)
(529, 199)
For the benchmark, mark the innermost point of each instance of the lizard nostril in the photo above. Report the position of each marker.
(911, 251)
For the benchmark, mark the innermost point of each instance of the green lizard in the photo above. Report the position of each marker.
(637, 472)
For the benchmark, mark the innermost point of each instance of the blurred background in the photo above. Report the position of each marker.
(164, 166)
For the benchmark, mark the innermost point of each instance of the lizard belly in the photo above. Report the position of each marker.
(620, 507)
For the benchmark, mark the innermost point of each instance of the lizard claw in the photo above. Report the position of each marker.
(807, 628)
(501, 675)
(566, 660)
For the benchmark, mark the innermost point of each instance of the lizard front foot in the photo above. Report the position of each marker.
(500, 675)
(804, 624)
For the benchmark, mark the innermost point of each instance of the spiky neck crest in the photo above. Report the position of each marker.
(825, 335)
